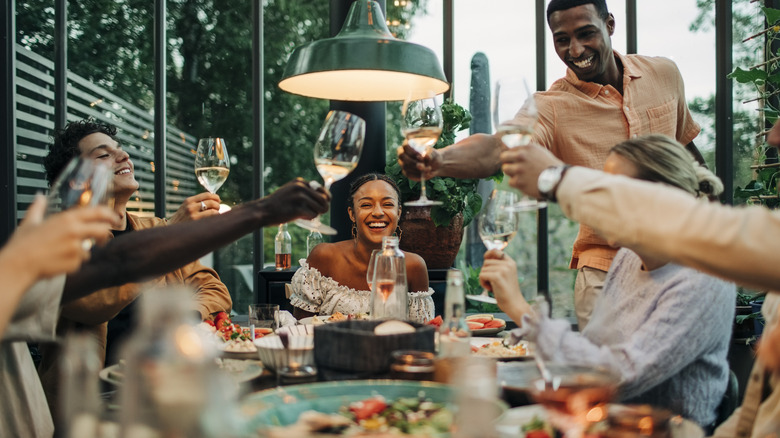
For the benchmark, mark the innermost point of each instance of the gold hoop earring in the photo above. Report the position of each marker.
(399, 232)
(354, 231)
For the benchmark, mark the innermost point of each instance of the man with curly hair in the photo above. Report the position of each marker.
(108, 313)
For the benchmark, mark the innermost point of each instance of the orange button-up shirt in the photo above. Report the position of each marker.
(581, 121)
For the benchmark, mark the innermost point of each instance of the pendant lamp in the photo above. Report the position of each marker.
(364, 62)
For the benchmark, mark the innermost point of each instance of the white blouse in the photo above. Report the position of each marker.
(316, 293)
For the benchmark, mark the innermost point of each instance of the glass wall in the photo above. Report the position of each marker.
(209, 72)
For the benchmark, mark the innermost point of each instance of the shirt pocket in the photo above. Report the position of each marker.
(663, 119)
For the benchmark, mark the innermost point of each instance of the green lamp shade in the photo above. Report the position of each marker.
(364, 62)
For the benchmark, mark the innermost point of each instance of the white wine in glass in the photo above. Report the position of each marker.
(497, 225)
(212, 164)
(336, 154)
(515, 116)
(421, 125)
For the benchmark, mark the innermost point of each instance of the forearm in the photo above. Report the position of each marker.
(727, 242)
(153, 252)
(101, 306)
(15, 284)
(211, 295)
(477, 156)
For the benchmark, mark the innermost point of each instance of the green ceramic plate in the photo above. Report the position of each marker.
(281, 407)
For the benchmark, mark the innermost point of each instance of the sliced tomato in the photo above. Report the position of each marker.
(496, 323)
(367, 408)
(436, 321)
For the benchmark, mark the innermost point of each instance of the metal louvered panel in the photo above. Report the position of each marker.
(35, 123)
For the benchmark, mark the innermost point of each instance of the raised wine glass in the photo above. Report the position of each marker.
(516, 127)
(212, 164)
(83, 182)
(421, 125)
(336, 154)
(497, 225)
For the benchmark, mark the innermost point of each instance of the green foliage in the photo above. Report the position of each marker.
(764, 80)
(456, 195)
(209, 66)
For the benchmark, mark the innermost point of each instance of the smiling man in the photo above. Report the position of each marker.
(108, 313)
(604, 99)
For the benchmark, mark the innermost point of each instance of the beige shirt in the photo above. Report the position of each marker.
(23, 409)
(739, 244)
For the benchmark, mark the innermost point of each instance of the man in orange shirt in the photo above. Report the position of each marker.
(604, 98)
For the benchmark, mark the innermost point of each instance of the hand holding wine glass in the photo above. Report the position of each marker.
(497, 225)
(336, 154)
(516, 128)
(212, 164)
(421, 125)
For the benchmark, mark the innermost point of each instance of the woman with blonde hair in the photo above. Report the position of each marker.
(665, 329)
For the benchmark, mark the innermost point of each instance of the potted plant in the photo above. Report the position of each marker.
(435, 232)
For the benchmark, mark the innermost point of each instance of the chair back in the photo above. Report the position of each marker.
(730, 400)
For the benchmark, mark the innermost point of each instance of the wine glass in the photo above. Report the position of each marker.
(516, 128)
(212, 164)
(336, 154)
(370, 269)
(497, 225)
(575, 396)
(421, 124)
(83, 182)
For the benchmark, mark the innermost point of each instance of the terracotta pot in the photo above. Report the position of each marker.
(438, 246)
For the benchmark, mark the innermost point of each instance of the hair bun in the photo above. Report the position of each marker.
(709, 183)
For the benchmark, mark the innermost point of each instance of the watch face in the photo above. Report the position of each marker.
(547, 180)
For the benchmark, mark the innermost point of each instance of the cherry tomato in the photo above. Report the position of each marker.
(367, 408)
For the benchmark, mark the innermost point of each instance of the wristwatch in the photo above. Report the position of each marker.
(548, 181)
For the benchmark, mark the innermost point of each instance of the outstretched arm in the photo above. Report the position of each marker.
(476, 156)
(153, 252)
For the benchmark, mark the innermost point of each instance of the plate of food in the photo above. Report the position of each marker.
(233, 340)
(485, 324)
(238, 370)
(525, 422)
(335, 317)
(497, 349)
(350, 408)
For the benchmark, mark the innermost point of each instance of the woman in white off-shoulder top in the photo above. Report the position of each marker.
(333, 277)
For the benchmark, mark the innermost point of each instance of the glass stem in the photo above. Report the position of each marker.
(423, 197)
(328, 182)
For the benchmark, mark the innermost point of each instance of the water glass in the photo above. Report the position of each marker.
(264, 315)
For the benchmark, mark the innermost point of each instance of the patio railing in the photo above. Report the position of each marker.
(35, 125)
